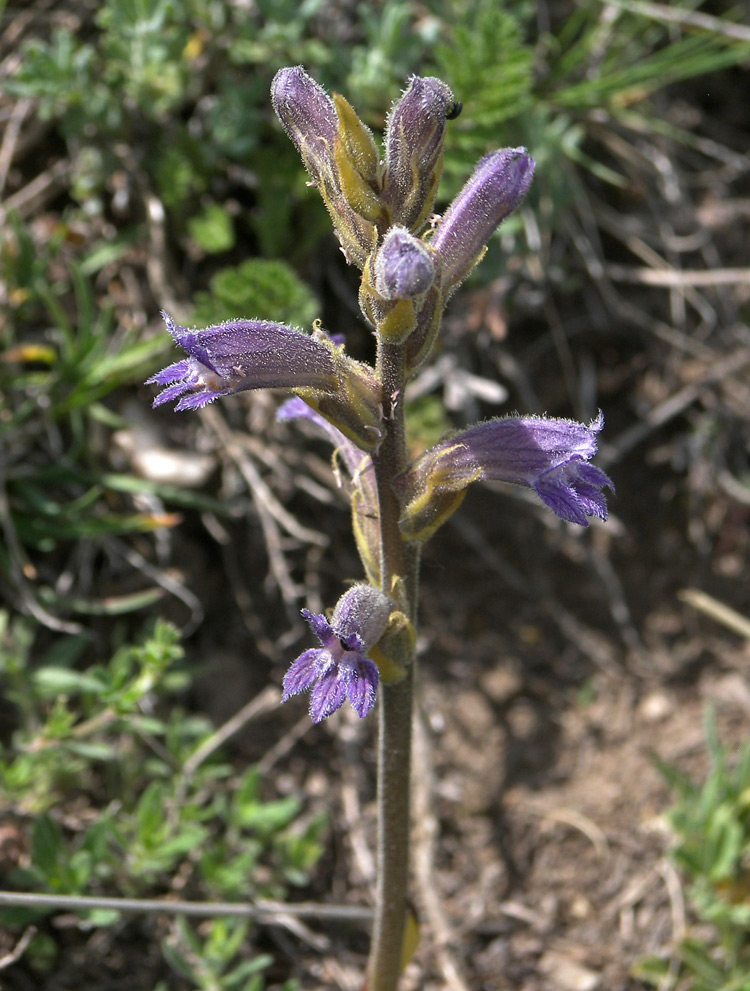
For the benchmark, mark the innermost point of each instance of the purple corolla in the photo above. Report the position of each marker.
(550, 456)
(242, 354)
(340, 668)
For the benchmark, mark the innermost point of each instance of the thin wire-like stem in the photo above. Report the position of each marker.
(398, 560)
(269, 912)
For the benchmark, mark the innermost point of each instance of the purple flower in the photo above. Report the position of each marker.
(340, 668)
(242, 354)
(404, 266)
(497, 186)
(414, 150)
(550, 456)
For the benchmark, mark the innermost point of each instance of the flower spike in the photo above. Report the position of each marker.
(340, 667)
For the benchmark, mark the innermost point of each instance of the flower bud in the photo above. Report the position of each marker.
(310, 118)
(414, 138)
(394, 283)
(404, 266)
(498, 185)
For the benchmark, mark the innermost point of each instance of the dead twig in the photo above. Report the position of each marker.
(425, 849)
(265, 701)
(10, 138)
(19, 949)
(678, 278)
(672, 407)
(686, 18)
(718, 611)
(271, 513)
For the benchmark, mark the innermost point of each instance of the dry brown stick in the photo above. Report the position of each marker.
(14, 30)
(677, 278)
(17, 560)
(33, 196)
(292, 526)
(10, 138)
(687, 18)
(718, 611)
(285, 744)
(163, 281)
(263, 910)
(264, 702)
(267, 506)
(19, 949)
(425, 848)
(616, 303)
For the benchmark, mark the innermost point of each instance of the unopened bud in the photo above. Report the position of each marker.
(498, 185)
(414, 138)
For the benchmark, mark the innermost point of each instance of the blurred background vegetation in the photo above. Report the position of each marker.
(153, 565)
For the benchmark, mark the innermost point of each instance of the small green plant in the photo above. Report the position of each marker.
(253, 287)
(211, 961)
(711, 823)
(111, 737)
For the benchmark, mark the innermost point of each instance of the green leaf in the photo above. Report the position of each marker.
(212, 230)
(46, 845)
(61, 681)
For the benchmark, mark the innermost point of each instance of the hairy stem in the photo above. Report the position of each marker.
(398, 559)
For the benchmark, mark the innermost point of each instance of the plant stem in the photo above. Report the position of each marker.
(398, 559)
(394, 761)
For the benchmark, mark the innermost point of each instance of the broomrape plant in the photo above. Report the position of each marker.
(379, 207)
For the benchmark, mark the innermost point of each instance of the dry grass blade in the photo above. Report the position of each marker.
(718, 611)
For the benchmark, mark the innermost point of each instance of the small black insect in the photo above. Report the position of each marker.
(455, 110)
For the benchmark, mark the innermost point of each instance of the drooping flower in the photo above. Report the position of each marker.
(239, 355)
(259, 354)
(497, 186)
(340, 668)
(550, 456)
